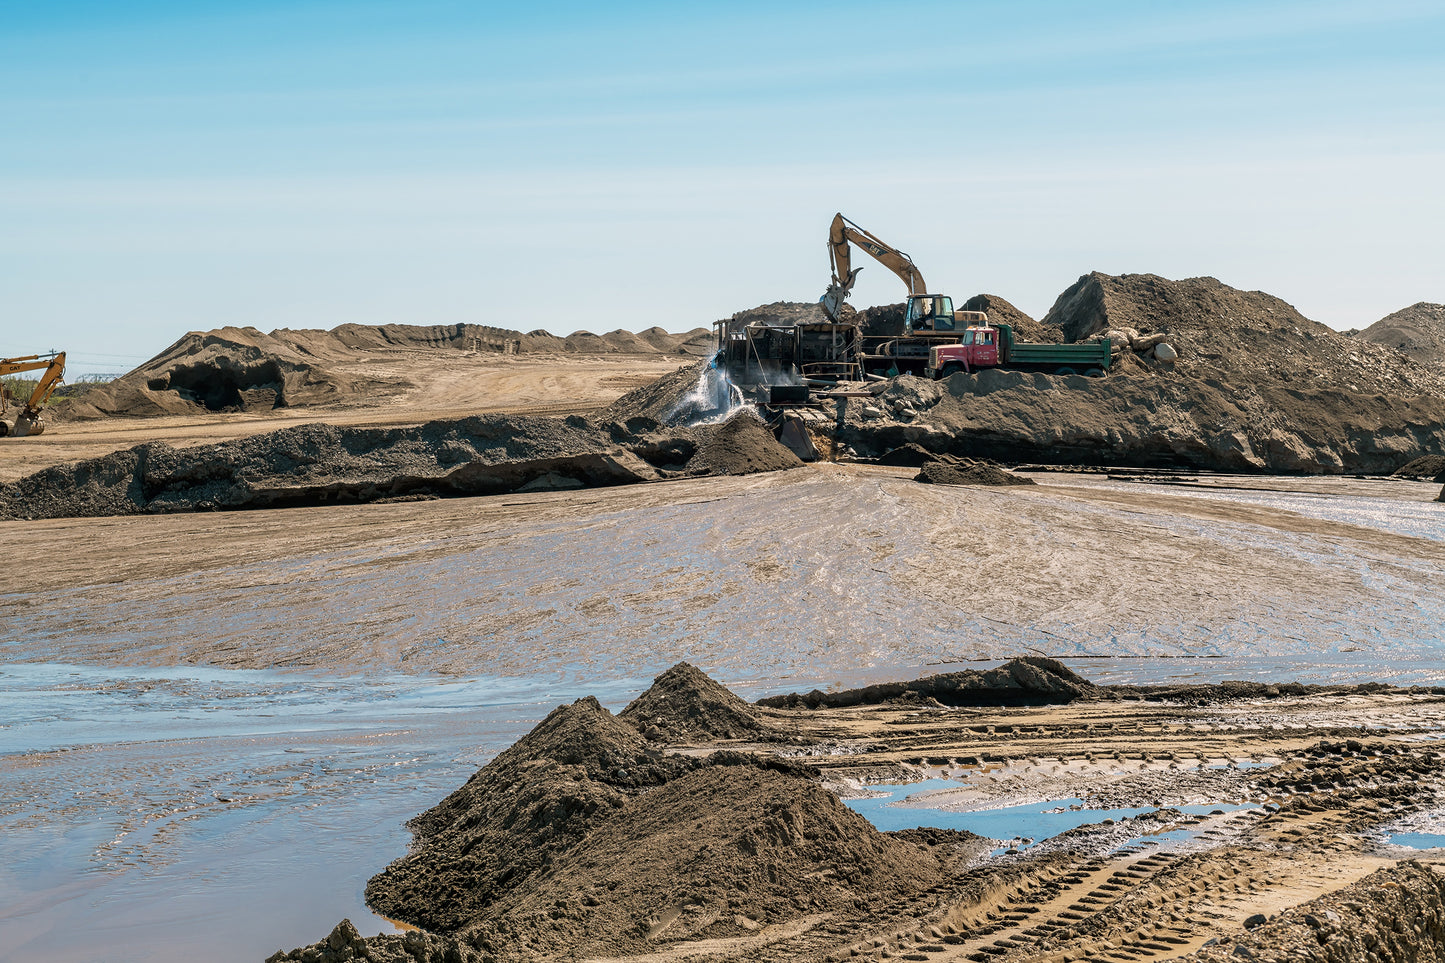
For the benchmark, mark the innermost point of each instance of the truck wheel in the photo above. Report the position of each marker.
(949, 370)
(1094, 373)
(1065, 371)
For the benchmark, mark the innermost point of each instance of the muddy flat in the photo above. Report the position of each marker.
(194, 699)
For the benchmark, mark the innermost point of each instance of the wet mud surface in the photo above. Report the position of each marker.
(333, 672)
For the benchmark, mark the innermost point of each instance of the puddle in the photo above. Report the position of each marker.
(1416, 840)
(1035, 821)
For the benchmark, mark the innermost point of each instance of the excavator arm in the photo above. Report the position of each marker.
(841, 234)
(28, 422)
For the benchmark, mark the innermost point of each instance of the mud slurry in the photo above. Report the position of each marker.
(723, 848)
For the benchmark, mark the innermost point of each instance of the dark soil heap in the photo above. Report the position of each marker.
(684, 704)
(948, 470)
(740, 446)
(1031, 680)
(516, 816)
(1418, 331)
(322, 464)
(713, 854)
(1426, 467)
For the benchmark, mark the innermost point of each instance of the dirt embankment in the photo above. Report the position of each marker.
(588, 840)
(324, 464)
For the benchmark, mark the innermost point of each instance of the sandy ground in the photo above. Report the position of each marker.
(756, 575)
(451, 384)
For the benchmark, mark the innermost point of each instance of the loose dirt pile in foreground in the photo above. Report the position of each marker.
(582, 842)
(949, 470)
(579, 839)
(740, 446)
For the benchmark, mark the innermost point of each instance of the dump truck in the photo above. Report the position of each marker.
(994, 346)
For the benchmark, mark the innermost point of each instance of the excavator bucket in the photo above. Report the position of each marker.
(28, 424)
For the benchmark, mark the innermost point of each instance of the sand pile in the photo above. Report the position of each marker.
(949, 470)
(243, 369)
(232, 369)
(1031, 680)
(1418, 331)
(683, 705)
(1426, 467)
(741, 445)
(517, 816)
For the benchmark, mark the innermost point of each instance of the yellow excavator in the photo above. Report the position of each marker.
(28, 421)
(926, 312)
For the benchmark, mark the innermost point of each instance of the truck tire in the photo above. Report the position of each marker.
(1094, 373)
(1065, 371)
(949, 370)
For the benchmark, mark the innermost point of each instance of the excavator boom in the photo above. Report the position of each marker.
(844, 232)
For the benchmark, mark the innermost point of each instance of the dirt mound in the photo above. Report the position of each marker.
(1000, 311)
(1248, 337)
(741, 445)
(882, 320)
(684, 704)
(968, 471)
(1431, 467)
(911, 455)
(321, 464)
(1030, 680)
(1418, 331)
(716, 853)
(233, 369)
(516, 816)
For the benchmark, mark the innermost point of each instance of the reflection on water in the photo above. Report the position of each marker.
(1024, 825)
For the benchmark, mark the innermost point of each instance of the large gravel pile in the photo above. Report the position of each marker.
(1418, 331)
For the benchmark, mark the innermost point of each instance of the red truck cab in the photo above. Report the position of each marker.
(978, 348)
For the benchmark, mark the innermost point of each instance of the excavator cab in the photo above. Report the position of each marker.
(929, 312)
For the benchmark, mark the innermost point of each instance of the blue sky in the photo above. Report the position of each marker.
(167, 167)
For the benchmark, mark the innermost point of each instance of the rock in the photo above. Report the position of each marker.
(1258, 919)
(1164, 352)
